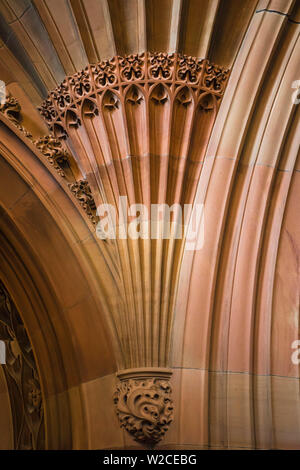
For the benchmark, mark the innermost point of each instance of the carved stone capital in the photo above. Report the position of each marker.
(82, 192)
(144, 404)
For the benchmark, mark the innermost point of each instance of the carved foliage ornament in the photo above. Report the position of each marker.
(53, 150)
(22, 378)
(144, 408)
(139, 126)
(11, 109)
(82, 192)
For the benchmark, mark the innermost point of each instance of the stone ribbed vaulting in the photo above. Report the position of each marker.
(138, 127)
(209, 120)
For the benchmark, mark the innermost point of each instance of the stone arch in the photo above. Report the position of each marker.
(45, 247)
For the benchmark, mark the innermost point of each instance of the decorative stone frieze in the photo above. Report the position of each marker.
(145, 69)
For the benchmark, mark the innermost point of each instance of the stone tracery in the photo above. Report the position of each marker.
(22, 378)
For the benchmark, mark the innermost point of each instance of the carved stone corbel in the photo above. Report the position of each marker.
(144, 403)
(11, 109)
